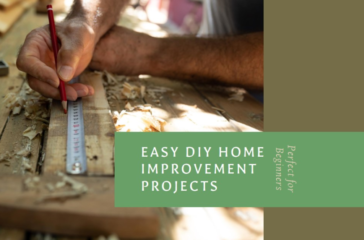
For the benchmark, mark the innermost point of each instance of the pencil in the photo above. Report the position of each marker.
(52, 29)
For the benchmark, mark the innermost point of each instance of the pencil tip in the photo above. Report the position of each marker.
(64, 105)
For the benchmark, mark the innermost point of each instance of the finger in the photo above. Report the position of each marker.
(75, 39)
(29, 60)
(73, 91)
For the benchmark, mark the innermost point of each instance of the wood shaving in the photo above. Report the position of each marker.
(25, 152)
(31, 183)
(31, 132)
(77, 189)
(60, 184)
(237, 95)
(137, 119)
(5, 157)
(131, 91)
(155, 91)
(78, 186)
(26, 165)
(50, 187)
(34, 105)
(110, 79)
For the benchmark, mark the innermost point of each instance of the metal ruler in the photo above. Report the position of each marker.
(76, 152)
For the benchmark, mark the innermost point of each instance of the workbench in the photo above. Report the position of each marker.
(185, 107)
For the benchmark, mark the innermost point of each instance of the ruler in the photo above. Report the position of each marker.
(76, 152)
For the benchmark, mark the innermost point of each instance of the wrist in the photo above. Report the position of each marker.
(78, 28)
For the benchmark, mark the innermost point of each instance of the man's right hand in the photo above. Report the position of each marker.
(77, 42)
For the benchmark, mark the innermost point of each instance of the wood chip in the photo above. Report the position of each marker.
(137, 119)
(237, 94)
(31, 132)
(5, 157)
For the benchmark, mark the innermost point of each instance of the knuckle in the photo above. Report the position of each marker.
(19, 62)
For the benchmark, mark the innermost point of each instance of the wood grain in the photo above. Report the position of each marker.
(246, 115)
(56, 147)
(92, 214)
(99, 128)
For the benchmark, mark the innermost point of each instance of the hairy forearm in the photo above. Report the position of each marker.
(100, 15)
(235, 60)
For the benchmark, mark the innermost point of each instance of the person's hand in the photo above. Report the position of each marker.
(77, 41)
(123, 51)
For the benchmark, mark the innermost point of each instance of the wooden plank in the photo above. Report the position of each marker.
(9, 16)
(99, 132)
(184, 109)
(247, 115)
(11, 234)
(99, 128)
(56, 147)
(92, 214)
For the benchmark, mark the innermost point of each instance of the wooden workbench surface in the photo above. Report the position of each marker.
(185, 107)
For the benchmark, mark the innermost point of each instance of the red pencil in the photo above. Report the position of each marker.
(52, 29)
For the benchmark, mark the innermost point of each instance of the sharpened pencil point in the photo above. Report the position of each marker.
(64, 105)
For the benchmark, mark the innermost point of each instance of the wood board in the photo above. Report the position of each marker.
(93, 214)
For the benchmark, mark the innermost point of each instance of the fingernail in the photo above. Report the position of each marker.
(66, 72)
(90, 90)
(81, 93)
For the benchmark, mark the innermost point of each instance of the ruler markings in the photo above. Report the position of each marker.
(76, 152)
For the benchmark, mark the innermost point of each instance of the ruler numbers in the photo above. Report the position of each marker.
(76, 154)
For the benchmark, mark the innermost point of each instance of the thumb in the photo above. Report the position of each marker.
(69, 56)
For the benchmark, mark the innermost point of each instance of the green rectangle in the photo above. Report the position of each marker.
(315, 170)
